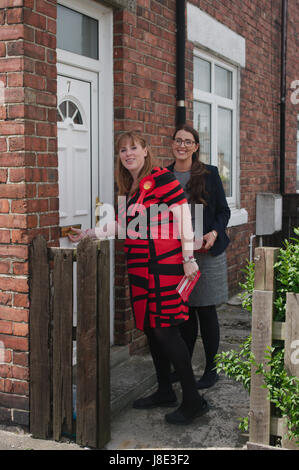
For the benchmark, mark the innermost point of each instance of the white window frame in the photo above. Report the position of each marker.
(216, 101)
(238, 216)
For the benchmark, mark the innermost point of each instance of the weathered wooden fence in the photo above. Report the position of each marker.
(52, 377)
(264, 330)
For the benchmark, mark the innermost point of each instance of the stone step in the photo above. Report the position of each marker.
(129, 380)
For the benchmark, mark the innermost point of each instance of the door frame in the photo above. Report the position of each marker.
(103, 67)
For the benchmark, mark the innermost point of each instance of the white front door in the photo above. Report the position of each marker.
(77, 149)
(85, 124)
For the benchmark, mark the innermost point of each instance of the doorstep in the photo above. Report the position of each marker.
(131, 376)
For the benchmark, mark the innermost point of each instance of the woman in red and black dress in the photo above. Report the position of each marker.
(158, 255)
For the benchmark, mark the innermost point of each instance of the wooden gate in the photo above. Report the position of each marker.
(66, 398)
(263, 423)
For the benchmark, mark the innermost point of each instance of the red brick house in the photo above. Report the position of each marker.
(74, 73)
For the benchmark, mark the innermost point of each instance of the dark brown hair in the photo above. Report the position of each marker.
(196, 184)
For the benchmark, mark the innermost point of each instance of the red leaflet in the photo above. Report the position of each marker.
(185, 287)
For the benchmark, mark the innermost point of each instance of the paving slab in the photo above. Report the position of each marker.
(147, 429)
(228, 400)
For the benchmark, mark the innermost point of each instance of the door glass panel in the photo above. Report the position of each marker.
(69, 109)
(77, 33)
(202, 74)
(72, 109)
(62, 109)
(224, 148)
(223, 82)
(202, 123)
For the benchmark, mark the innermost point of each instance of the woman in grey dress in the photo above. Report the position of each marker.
(202, 185)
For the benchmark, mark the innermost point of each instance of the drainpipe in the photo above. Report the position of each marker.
(284, 17)
(252, 236)
(180, 62)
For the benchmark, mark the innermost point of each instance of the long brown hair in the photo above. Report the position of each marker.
(123, 176)
(196, 185)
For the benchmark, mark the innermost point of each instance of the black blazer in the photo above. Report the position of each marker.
(216, 213)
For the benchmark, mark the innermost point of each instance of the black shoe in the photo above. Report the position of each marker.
(207, 380)
(155, 400)
(180, 417)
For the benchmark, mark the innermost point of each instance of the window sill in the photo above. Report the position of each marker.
(238, 217)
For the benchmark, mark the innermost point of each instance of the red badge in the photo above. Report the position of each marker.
(146, 184)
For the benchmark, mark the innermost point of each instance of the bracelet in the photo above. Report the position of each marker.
(214, 233)
(186, 259)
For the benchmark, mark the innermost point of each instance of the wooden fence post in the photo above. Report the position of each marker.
(262, 317)
(62, 342)
(291, 350)
(291, 358)
(93, 344)
(104, 431)
(39, 334)
(87, 351)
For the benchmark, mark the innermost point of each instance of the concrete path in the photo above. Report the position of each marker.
(144, 429)
(147, 429)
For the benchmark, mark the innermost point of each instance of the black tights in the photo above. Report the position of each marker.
(167, 346)
(209, 329)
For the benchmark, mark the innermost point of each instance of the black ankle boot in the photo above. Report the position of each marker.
(208, 379)
(183, 416)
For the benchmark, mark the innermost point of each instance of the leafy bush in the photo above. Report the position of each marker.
(283, 390)
(286, 275)
(247, 286)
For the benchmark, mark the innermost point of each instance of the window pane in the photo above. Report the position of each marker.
(223, 82)
(62, 108)
(76, 32)
(224, 148)
(72, 109)
(202, 123)
(202, 74)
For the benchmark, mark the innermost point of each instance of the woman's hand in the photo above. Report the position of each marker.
(190, 269)
(89, 232)
(209, 239)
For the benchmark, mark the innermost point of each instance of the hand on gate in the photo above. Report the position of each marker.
(79, 234)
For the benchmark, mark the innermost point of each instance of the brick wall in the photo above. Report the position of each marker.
(144, 53)
(144, 98)
(28, 178)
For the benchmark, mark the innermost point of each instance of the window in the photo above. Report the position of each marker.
(77, 33)
(68, 109)
(215, 117)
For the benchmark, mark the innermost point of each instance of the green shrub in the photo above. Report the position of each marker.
(283, 390)
(286, 275)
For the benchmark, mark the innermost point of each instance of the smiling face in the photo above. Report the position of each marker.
(132, 156)
(183, 147)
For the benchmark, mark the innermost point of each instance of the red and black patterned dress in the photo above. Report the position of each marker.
(154, 257)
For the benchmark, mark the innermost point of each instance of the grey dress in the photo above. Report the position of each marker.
(212, 287)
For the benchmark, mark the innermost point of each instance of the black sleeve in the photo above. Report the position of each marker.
(222, 210)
